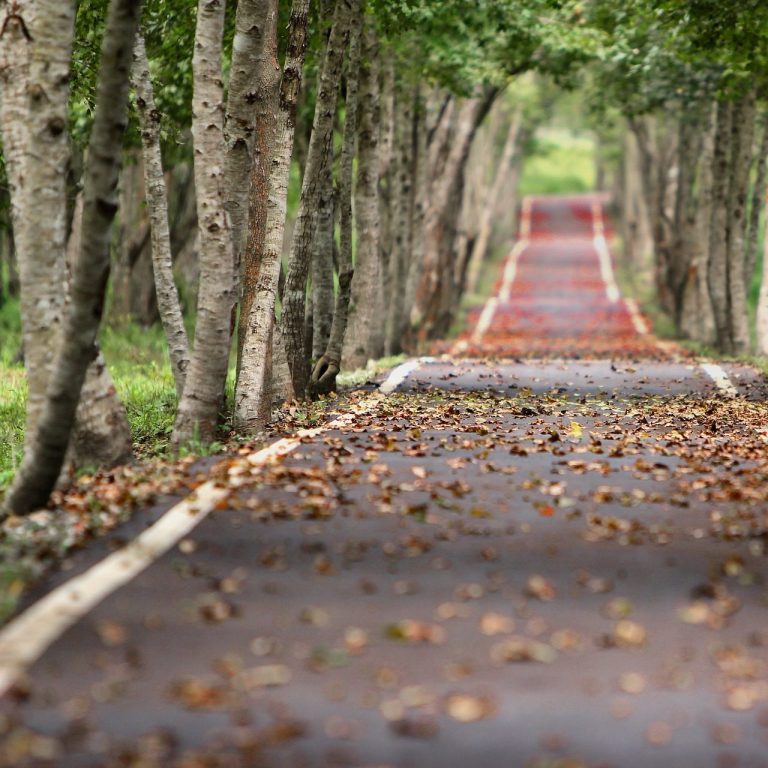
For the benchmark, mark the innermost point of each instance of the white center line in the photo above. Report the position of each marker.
(721, 379)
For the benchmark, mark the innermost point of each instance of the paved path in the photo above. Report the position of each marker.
(513, 559)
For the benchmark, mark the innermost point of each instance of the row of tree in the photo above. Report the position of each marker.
(375, 105)
(324, 177)
(689, 81)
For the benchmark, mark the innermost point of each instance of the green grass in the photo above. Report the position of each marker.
(560, 163)
(138, 361)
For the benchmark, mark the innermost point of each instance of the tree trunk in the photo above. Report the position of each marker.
(14, 80)
(253, 383)
(42, 464)
(35, 98)
(131, 300)
(157, 200)
(387, 185)
(321, 258)
(718, 232)
(742, 139)
(101, 435)
(420, 173)
(636, 228)
(691, 134)
(401, 196)
(366, 282)
(267, 72)
(319, 163)
(656, 163)
(436, 297)
(254, 24)
(198, 413)
(328, 365)
(696, 314)
(757, 204)
(762, 303)
(485, 226)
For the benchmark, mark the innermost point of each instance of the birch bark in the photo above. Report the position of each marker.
(157, 199)
(328, 366)
(267, 86)
(418, 213)
(696, 315)
(436, 293)
(198, 412)
(254, 22)
(318, 165)
(757, 204)
(253, 384)
(762, 303)
(692, 127)
(401, 197)
(742, 138)
(366, 281)
(718, 264)
(321, 259)
(42, 463)
(36, 143)
(101, 435)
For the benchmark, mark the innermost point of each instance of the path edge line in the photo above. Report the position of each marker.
(26, 638)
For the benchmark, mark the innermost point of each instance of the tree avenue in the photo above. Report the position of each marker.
(290, 190)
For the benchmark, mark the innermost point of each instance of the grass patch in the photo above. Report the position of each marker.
(560, 163)
(138, 361)
(13, 404)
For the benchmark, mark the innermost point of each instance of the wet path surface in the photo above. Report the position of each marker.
(544, 563)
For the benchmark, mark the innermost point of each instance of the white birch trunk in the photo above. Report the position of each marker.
(329, 363)
(252, 27)
(265, 96)
(203, 396)
(366, 282)
(39, 155)
(157, 200)
(44, 458)
(762, 305)
(101, 435)
(319, 162)
(253, 383)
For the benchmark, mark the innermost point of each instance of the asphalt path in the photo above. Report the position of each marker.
(545, 549)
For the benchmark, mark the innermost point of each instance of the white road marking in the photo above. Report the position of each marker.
(638, 321)
(603, 254)
(25, 639)
(721, 379)
(510, 272)
(398, 375)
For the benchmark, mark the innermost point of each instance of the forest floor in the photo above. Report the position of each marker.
(543, 547)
